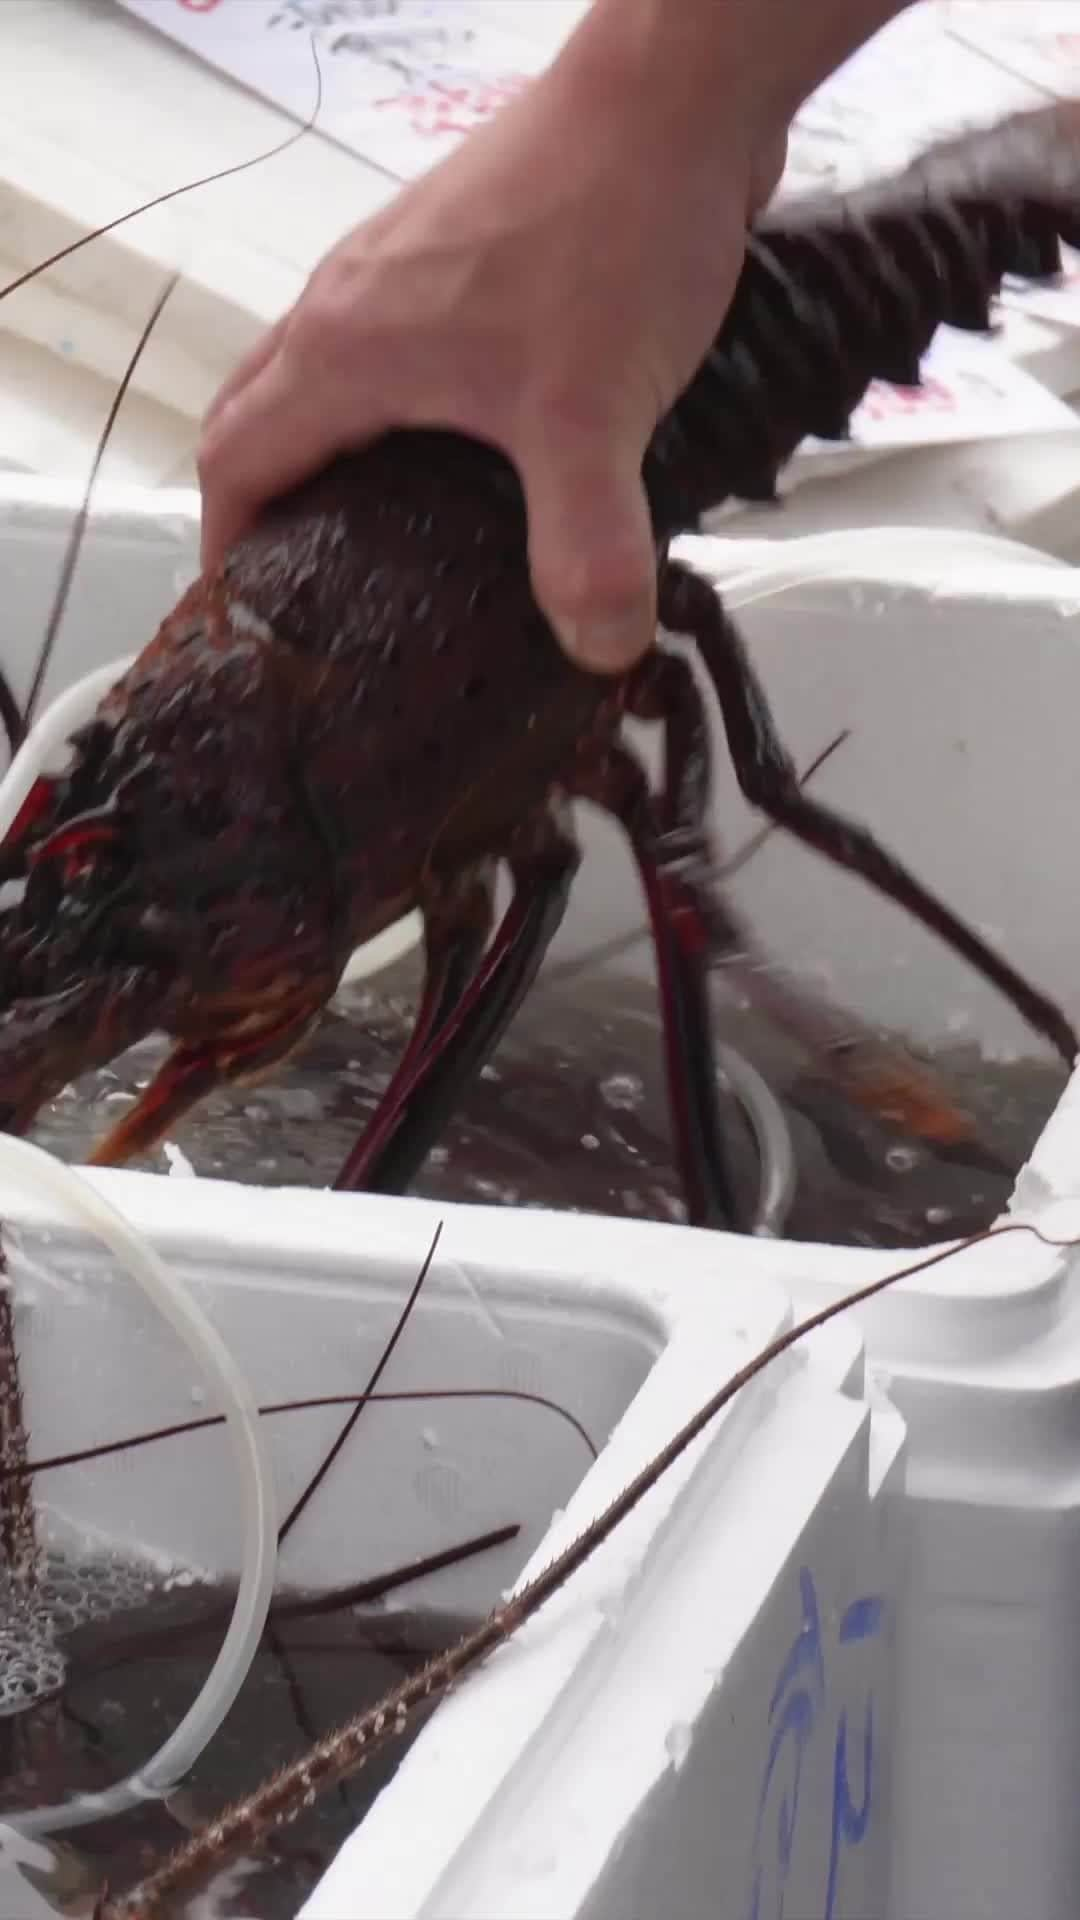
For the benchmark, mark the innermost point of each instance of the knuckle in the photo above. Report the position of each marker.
(319, 328)
(326, 319)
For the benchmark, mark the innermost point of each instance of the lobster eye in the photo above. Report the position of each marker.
(73, 839)
(74, 847)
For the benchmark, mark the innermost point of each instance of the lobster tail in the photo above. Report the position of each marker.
(838, 292)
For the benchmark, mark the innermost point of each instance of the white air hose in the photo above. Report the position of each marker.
(31, 1167)
(47, 740)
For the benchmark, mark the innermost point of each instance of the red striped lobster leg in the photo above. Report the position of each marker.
(669, 846)
(428, 1086)
(456, 930)
(768, 779)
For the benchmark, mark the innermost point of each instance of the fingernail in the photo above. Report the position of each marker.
(605, 646)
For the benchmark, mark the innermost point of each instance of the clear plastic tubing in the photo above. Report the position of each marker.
(779, 1172)
(27, 1168)
(48, 738)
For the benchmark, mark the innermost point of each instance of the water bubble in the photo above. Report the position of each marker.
(937, 1216)
(590, 1142)
(901, 1159)
(180, 1166)
(623, 1091)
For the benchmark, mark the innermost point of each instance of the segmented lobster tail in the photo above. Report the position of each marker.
(836, 293)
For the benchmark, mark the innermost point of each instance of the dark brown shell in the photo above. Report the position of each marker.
(842, 290)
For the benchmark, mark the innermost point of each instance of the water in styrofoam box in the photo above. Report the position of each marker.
(944, 681)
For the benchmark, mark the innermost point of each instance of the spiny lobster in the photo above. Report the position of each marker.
(263, 790)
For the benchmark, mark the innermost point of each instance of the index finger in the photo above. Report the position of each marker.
(275, 432)
(245, 371)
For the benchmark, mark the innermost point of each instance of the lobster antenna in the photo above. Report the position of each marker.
(15, 725)
(406, 1395)
(321, 1471)
(175, 193)
(63, 585)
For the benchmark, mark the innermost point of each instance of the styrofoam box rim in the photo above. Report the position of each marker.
(990, 1337)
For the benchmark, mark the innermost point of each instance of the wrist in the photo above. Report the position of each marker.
(733, 72)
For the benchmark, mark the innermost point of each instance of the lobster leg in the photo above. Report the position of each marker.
(767, 778)
(879, 1075)
(401, 1135)
(667, 841)
(189, 1074)
(456, 930)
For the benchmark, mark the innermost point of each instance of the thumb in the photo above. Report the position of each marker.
(591, 552)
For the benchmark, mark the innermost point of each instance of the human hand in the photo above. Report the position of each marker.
(549, 289)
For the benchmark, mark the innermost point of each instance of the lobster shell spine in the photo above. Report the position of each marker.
(840, 291)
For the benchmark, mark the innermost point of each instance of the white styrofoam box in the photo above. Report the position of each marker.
(981, 1356)
(703, 1714)
(140, 553)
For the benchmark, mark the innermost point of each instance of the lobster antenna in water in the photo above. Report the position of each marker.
(175, 193)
